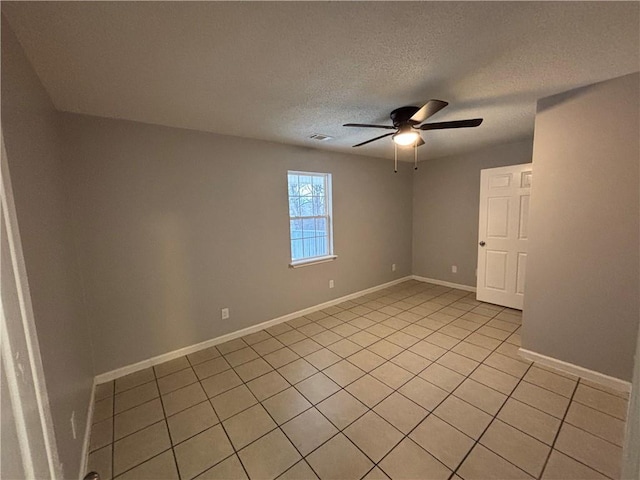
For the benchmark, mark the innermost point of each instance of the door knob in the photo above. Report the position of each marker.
(482, 244)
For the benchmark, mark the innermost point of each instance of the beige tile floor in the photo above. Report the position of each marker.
(415, 381)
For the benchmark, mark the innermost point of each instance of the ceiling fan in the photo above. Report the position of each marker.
(408, 122)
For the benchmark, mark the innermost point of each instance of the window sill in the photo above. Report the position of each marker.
(312, 261)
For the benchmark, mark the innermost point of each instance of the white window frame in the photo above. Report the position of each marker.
(328, 199)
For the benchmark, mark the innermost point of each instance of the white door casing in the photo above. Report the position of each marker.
(22, 371)
(503, 234)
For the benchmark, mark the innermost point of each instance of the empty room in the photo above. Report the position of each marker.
(320, 240)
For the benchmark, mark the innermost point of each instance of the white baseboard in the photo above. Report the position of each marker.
(596, 377)
(84, 460)
(459, 286)
(165, 357)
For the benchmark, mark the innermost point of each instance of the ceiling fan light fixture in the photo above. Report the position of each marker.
(406, 136)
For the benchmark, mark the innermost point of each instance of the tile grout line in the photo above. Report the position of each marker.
(148, 459)
(371, 409)
(555, 439)
(494, 417)
(466, 377)
(613, 393)
(219, 423)
(140, 429)
(171, 442)
(277, 425)
(405, 436)
(166, 420)
(313, 406)
(145, 383)
(338, 429)
(570, 398)
(390, 359)
(431, 412)
(386, 360)
(208, 400)
(591, 407)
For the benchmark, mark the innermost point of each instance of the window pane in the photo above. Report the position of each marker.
(318, 206)
(321, 246)
(296, 250)
(293, 184)
(308, 228)
(294, 206)
(321, 226)
(310, 247)
(306, 185)
(296, 229)
(318, 185)
(306, 207)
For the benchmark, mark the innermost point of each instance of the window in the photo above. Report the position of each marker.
(310, 225)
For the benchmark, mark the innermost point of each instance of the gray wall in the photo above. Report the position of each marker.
(582, 280)
(35, 164)
(173, 225)
(446, 194)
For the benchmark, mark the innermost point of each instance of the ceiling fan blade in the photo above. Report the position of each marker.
(430, 108)
(366, 125)
(455, 124)
(373, 139)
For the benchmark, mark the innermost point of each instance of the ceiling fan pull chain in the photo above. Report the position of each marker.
(395, 164)
(415, 155)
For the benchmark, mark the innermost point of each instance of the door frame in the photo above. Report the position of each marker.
(20, 350)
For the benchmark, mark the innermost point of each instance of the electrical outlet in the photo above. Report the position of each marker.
(454, 269)
(393, 267)
(330, 283)
(224, 313)
(73, 425)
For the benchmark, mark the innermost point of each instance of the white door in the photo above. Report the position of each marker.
(502, 234)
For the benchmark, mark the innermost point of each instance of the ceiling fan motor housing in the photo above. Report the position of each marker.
(402, 116)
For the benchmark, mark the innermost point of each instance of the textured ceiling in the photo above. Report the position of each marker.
(283, 71)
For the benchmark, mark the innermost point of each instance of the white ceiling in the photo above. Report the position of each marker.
(283, 71)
